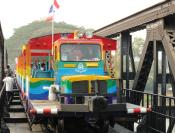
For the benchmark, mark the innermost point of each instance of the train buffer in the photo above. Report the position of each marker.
(120, 112)
(45, 107)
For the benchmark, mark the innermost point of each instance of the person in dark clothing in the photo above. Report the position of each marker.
(43, 66)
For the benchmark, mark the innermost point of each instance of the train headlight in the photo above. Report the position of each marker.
(88, 34)
(78, 34)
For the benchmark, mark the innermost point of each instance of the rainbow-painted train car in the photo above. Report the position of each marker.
(76, 65)
(30, 77)
(71, 61)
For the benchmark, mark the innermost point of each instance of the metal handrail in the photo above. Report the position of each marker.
(168, 112)
(2, 90)
(2, 100)
(2, 103)
(149, 93)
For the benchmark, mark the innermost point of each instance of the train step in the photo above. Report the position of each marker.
(16, 108)
(16, 97)
(19, 117)
(24, 128)
(15, 90)
(16, 102)
(15, 120)
(15, 87)
(15, 93)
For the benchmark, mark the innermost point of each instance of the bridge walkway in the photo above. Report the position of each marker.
(17, 121)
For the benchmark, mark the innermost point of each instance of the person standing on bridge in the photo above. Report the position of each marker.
(8, 80)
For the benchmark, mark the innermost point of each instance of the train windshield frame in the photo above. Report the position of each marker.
(80, 52)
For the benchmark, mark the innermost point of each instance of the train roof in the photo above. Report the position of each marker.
(45, 42)
(42, 42)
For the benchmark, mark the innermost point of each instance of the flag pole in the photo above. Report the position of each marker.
(56, 5)
(52, 30)
(52, 34)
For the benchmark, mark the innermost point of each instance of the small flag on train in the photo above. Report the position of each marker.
(50, 18)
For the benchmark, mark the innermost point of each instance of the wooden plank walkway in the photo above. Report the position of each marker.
(24, 128)
(17, 121)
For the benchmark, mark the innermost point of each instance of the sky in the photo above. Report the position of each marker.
(87, 13)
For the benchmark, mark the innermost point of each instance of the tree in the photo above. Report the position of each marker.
(137, 48)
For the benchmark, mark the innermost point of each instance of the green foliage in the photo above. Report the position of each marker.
(137, 47)
(34, 29)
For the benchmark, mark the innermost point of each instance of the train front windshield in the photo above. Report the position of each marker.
(80, 52)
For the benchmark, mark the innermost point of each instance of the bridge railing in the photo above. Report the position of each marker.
(2, 103)
(163, 109)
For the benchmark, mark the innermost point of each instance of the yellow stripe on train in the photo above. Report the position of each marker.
(39, 79)
(92, 64)
(85, 77)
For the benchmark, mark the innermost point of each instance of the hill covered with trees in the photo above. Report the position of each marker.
(34, 29)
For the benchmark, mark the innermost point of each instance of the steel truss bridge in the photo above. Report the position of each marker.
(159, 22)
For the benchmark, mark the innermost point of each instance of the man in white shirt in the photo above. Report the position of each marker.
(9, 87)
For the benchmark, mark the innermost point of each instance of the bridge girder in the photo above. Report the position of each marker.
(138, 20)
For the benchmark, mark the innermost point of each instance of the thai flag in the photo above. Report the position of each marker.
(54, 6)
